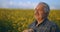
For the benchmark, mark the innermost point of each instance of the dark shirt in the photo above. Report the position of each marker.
(45, 26)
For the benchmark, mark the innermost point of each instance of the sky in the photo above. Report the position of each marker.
(31, 4)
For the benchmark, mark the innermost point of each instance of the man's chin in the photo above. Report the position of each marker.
(39, 18)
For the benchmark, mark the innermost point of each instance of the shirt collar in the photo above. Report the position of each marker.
(44, 21)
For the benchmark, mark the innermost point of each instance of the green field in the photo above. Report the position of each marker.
(16, 20)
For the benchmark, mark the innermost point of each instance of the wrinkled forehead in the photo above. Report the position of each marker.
(40, 6)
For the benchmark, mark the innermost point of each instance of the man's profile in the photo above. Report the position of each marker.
(42, 24)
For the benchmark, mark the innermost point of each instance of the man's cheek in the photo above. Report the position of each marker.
(36, 17)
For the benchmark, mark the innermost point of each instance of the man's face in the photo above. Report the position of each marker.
(39, 12)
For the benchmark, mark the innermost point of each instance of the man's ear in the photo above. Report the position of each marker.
(47, 13)
(46, 10)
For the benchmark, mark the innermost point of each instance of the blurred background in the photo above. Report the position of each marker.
(16, 15)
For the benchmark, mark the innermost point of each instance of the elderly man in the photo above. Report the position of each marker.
(42, 24)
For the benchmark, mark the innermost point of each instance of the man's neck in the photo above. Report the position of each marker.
(39, 21)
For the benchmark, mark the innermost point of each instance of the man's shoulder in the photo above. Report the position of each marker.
(51, 24)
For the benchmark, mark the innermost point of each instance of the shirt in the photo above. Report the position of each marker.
(45, 26)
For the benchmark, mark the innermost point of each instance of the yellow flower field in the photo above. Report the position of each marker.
(16, 20)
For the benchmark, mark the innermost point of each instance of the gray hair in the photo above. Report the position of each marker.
(47, 9)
